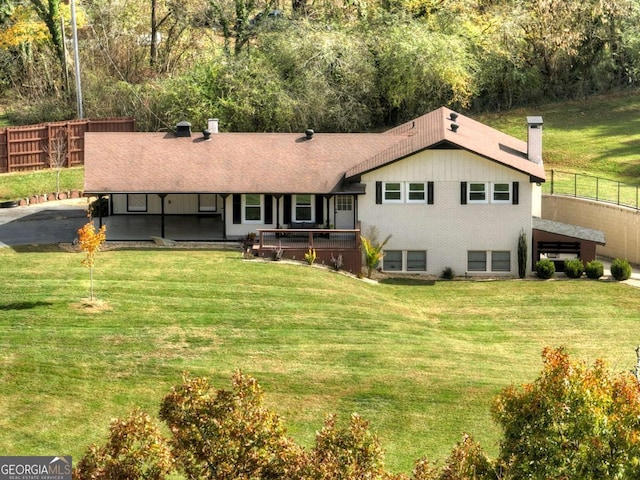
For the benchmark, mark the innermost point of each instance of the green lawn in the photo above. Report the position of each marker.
(421, 362)
(14, 186)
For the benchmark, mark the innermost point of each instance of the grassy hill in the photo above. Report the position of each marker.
(422, 363)
(598, 136)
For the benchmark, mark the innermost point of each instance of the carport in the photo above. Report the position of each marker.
(560, 241)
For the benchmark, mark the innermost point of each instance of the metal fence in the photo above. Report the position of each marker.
(594, 188)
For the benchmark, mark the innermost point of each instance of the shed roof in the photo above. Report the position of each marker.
(130, 162)
(574, 231)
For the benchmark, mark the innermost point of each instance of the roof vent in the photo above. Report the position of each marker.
(454, 127)
(183, 129)
(309, 133)
(206, 134)
(453, 116)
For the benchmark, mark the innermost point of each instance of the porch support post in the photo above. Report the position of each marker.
(327, 222)
(355, 211)
(278, 210)
(162, 197)
(99, 203)
(224, 214)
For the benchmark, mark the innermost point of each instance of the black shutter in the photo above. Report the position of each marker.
(268, 209)
(237, 208)
(286, 217)
(516, 193)
(463, 193)
(430, 193)
(319, 209)
(378, 193)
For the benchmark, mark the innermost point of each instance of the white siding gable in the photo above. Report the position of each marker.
(447, 230)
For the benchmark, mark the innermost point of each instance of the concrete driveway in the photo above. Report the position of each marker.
(42, 224)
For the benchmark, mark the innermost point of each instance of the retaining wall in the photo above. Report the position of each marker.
(621, 225)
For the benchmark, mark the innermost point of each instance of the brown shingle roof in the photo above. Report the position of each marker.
(434, 129)
(227, 163)
(279, 162)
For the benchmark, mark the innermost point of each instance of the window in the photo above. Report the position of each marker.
(137, 202)
(416, 193)
(416, 261)
(344, 203)
(393, 192)
(477, 193)
(392, 261)
(252, 210)
(476, 261)
(501, 261)
(501, 193)
(207, 202)
(303, 210)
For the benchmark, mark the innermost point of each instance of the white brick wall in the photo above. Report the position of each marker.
(447, 229)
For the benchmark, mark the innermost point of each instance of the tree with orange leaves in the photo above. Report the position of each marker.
(90, 242)
(574, 421)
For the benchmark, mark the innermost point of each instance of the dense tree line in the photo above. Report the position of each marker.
(334, 65)
(573, 421)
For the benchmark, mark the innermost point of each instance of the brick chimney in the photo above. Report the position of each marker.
(534, 139)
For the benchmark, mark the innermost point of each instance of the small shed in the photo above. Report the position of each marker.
(560, 241)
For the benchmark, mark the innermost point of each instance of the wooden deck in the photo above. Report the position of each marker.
(329, 244)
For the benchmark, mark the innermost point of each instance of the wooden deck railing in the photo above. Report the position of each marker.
(330, 244)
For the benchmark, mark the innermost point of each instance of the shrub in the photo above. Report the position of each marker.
(620, 269)
(545, 268)
(573, 421)
(310, 256)
(573, 268)
(594, 269)
(99, 207)
(227, 434)
(447, 274)
(136, 449)
(522, 254)
(337, 262)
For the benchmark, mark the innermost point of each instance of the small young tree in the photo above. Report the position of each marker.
(372, 249)
(90, 242)
(58, 151)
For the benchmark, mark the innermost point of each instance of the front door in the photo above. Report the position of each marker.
(344, 214)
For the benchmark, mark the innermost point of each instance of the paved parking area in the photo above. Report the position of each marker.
(42, 224)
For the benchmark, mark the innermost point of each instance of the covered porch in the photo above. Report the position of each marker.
(197, 228)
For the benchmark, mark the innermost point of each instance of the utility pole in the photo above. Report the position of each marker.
(76, 57)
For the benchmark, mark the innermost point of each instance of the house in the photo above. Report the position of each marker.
(450, 191)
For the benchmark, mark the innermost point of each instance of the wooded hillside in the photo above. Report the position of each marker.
(332, 65)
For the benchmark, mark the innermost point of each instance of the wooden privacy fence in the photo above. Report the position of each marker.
(54, 144)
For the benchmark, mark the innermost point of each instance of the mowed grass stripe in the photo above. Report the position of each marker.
(422, 363)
